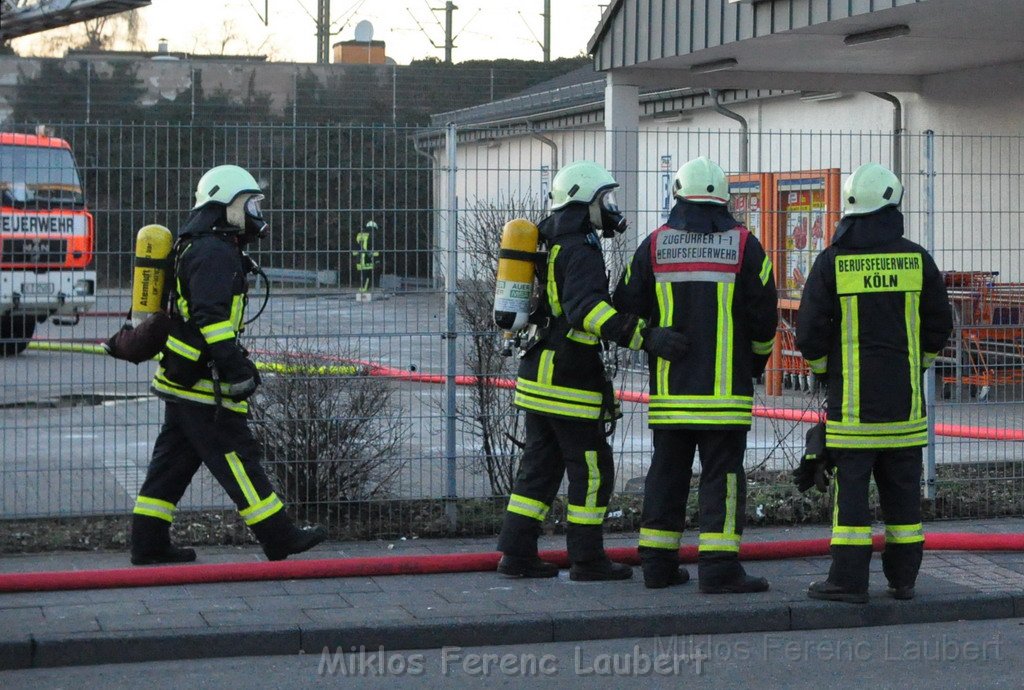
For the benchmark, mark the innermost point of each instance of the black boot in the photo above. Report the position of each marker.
(722, 573)
(830, 591)
(901, 593)
(599, 569)
(526, 566)
(151, 543)
(901, 563)
(663, 572)
(280, 538)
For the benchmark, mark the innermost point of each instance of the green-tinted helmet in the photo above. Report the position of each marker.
(582, 182)
(870, 188)
(223, 184)
(701, 181)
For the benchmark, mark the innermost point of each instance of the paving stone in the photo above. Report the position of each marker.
(92, 610)
(15, 652)
(236, 589)
(750, 617)
(883, 610)
(136, 593)
(348, 616)
(152, 621)
(254, 618)
(197, 605)
(553, 605)
(446, 610)
(422, 598)
(23, 599)
(295, 602)
(339, 585)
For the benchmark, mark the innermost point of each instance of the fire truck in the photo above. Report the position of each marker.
(47, 238)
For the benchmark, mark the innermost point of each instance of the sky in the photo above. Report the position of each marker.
(485, 29)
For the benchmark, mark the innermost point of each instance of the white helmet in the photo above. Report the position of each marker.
(870, 188)
(224, 184)
(579, 182)
(701, 181)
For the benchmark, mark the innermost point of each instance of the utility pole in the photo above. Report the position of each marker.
(547, 30)
(323, 32)
(449, 34)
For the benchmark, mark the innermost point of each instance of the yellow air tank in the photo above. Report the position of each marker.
(152, 247)
(516, 270)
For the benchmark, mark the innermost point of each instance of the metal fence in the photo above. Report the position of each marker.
(385, 413)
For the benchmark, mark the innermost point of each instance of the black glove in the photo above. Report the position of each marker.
(665, 343)
(815, 467)
(238, 375)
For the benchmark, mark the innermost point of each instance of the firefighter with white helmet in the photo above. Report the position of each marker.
(562, 386)
(873, 317)
(205, 378)
(703, 277)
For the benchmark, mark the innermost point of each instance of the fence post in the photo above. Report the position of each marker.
(929, 244)
(451, 284)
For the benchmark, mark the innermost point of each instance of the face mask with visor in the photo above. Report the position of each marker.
(255, 226)
(606, 216)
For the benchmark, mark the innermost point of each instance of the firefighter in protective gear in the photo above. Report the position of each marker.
(702, 275)
(205, 377)
(562, 387)
(873, 317)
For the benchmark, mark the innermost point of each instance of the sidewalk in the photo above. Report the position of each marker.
(430, 611)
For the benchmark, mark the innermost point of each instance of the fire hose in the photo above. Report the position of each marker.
(432, 565)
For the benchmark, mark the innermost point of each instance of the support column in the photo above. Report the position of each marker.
(622, 124)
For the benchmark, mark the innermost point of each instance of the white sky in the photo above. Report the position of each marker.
(485, 29)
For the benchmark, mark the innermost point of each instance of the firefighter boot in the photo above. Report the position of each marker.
(723, 574)
(151, 543)
(829, 591)
(599, 569)
(900, 563)
(847, 578)
(280, 538)
(526, 566)
(661, 572)
(585, 544)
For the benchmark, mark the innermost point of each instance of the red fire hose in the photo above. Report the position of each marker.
(427, 565)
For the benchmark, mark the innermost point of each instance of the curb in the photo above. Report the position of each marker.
(474, 631)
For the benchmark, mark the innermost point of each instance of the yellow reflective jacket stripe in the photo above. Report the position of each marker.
(183, 349)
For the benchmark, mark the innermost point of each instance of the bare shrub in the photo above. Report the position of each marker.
(490, 418)
(331, 434)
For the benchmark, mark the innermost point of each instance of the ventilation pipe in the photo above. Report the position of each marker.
(744, 130)
(897, 130)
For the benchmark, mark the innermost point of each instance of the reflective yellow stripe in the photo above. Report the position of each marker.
(912, 306)
(262, 510)
(666, 308)
(723, 348)
(718, 541)
(561, 393)
(818, 366)
(929, 359)
(629, 273)
(154, 507)
(593, 478)
(766, 270)
(216, 332)
(546, 367)
(637, 340)
(163, 386)
(844, 535)
(182, 304)
(850, 336)
(763, 347)
(877, 428)
(904, 534)
(730, 505)
(598, 317)
(656, 417)
(543, 405)
(244, 483)
(581, 337)
(552, 289)
(583, 515)
(529, 507)
(183, 349)
(702, 401)
(659, 538)
(237, 311)
(876, 442)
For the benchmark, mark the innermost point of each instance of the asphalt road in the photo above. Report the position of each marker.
(78, 428)
(988, 654)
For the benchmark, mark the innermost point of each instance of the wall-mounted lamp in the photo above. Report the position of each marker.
(713, 66)
(883, 34)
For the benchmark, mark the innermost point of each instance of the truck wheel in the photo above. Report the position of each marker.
(15, 333)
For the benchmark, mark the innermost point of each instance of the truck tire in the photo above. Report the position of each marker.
(15, 333)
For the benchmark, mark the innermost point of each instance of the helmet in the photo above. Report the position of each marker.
(582, 182)
(870, 188)
(224, 184)
(701, 181)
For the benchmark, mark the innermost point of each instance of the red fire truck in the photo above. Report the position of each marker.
(47, 238)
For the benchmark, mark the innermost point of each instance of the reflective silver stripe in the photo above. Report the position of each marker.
(154, 507)
(909, 441)
(581, 337)
(183, 349)
(262, 510)
(527, 507)
(695, 277)
(660, 539)
(637, 341)
(598, 317)
(818, 366)
(216, 332)
(878, 428)
(560, 392)
(702, 401)
(763, 347)
(585, 515)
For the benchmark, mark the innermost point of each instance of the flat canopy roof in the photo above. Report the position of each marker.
(816, 45)
(24, 18)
